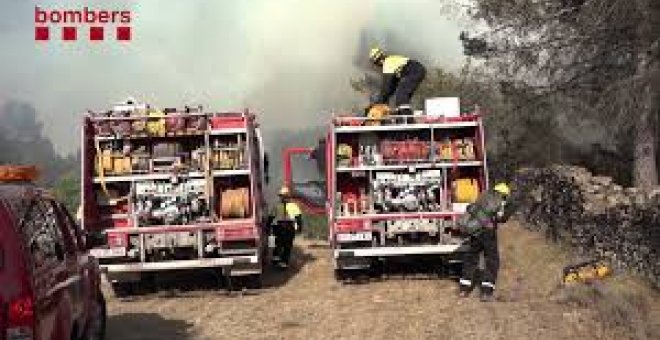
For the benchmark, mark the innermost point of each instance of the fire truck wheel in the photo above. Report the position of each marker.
(343, 275)
(123, 289)
(148, 283)
(253, 281)
(339, 275)
(376, 269)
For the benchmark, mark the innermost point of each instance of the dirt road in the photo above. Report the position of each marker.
(307, 303)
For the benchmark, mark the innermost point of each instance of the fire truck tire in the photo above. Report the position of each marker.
(148, 283)
(123, 289)
(254, 281)
(341, 275)
(376, 269)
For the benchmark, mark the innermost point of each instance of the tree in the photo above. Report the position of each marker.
(67, 191)
(600, 56)
(438, 83)
(22, 142)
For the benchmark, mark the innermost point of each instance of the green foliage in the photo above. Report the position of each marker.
(523, 127)
(315, 227)
(439, 83)
(580, 62)
(67, 191)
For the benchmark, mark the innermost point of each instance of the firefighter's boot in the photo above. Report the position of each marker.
(487, 292)
(465, 288)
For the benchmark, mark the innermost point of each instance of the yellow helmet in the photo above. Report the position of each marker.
(376, 54)
(284, 191)
(503, 189)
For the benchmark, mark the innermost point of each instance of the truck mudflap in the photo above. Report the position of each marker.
(238, 261)
(400, 251)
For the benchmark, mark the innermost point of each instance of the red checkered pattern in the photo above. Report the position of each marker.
(96, 33)
(70, 33)
(41, 33)
(123, 33)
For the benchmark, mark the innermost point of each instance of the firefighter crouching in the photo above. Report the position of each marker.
(286, 220)
(401, 77)
(480, 223)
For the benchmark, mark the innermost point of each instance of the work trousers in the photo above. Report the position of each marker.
(411, 76)
(484, 242)
(285, 232)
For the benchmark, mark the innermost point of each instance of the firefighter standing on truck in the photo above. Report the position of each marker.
(401, 77)
(286, 220)
(480, 223)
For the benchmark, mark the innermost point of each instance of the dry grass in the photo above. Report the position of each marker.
(533, 266)
(622, 303)
(306, 303)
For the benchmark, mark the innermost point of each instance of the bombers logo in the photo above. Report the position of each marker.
(69, 22)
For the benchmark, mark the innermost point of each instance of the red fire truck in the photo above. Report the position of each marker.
(395, 186)
(173, 189)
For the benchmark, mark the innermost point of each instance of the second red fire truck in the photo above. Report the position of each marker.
(396, 185)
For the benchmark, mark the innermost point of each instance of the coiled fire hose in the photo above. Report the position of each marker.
(99, 164)
(234, 203)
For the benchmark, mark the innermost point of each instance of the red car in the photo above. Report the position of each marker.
(49, 285)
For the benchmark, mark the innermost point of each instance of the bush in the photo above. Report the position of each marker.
(315, 227)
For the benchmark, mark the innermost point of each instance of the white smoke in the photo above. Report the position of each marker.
(288, 60)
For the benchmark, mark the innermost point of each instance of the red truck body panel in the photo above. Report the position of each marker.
(395, 194)
(425, 155)
(171, 217)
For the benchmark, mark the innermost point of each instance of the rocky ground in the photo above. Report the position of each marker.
(307, 303)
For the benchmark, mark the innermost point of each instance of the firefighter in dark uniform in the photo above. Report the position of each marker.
(286, 219)
(401, 77)
(480, 223)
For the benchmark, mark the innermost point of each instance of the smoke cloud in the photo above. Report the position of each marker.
(288, 60)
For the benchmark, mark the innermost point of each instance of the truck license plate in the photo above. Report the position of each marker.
(108, 252)
(361, 236)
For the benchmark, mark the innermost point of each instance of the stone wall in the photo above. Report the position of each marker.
(597, 217)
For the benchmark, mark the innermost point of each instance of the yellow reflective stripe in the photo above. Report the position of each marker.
(286, 213)
(293, 210)
(394, 64)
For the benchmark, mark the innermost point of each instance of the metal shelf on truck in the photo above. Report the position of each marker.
(172, 170)
(145, 177)
(374, 170)
(405, 127)
(223, 132)
(412, 166)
